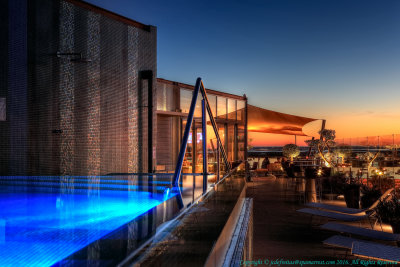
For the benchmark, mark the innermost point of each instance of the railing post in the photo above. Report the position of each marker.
(218, 160)
(214, 125)
(178, 170)
(204, 135)
(181, 156)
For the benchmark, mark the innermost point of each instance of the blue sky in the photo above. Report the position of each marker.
(333, 59)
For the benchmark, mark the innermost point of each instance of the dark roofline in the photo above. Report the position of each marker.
(110, 14)
(191, 87)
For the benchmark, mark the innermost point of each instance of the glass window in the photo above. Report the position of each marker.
(186, 99)
(222, 135)
(199, 150)
(197, 111)
(212, 99)
(240, 141)
(211, 149)
(187, 165)
(231, 142)
(231, 109)
(165, 97)
(241, 105)
(221, 107)
(221, 132)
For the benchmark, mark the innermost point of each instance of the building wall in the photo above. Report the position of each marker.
(67, 116)
(44, 98)
(165, 140)
(173, 103)
(4, 125)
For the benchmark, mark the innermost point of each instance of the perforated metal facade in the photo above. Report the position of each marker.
(75, 101)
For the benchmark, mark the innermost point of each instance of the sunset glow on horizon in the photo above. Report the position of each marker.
(356, 126)
(333, 60)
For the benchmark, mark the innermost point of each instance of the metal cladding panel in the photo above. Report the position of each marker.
(93, 95)
(82, 116)
(114, 96)
(67, 89)
(17, 86)
(74, 109)
(4, 127)
(133, 132)
(43, 72)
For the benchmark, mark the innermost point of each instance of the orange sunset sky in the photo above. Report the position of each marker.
(357, 124)
(333, 60)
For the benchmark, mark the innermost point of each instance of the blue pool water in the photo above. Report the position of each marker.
(42, 228)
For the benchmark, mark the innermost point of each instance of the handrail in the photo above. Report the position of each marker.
(204, 133)
(214, 125)
(178, 170)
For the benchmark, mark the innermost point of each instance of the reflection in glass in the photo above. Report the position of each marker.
(197, 111)
(199, 150)
(231, 143)
(221, 107)
(211, 148)
(221, 132)
(231, 109)
(240, 141)
(186, 99)
(165, 97)
(240, 110)
(212, 99)
(187, 166)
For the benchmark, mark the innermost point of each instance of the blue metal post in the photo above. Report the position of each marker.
(214, 125)
(181, 156)
(204, 134)
(178, 170)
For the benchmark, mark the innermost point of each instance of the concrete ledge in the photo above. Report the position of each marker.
(199, 232)
(243, 231)
(220, 249)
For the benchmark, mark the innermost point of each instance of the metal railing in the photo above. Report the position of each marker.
(199, 87)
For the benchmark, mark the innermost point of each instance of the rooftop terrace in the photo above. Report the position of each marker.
(281, 233)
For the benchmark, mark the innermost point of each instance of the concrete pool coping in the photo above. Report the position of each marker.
(197, 233)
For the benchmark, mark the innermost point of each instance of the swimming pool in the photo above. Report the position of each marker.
(45, 219)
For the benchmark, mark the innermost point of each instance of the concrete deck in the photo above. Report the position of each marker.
(190, 242)
(279, 231)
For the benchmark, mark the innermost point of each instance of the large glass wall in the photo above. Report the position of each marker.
(221, 107)
(199, 148)
(165, 97)
(212, 149)
(189, 155)
(231, 109)
(197, 111)
(229, 115)
(241, 105)
(240, 116)
(231, 142)
(185, 100)
(241, 141)
(212, 99)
